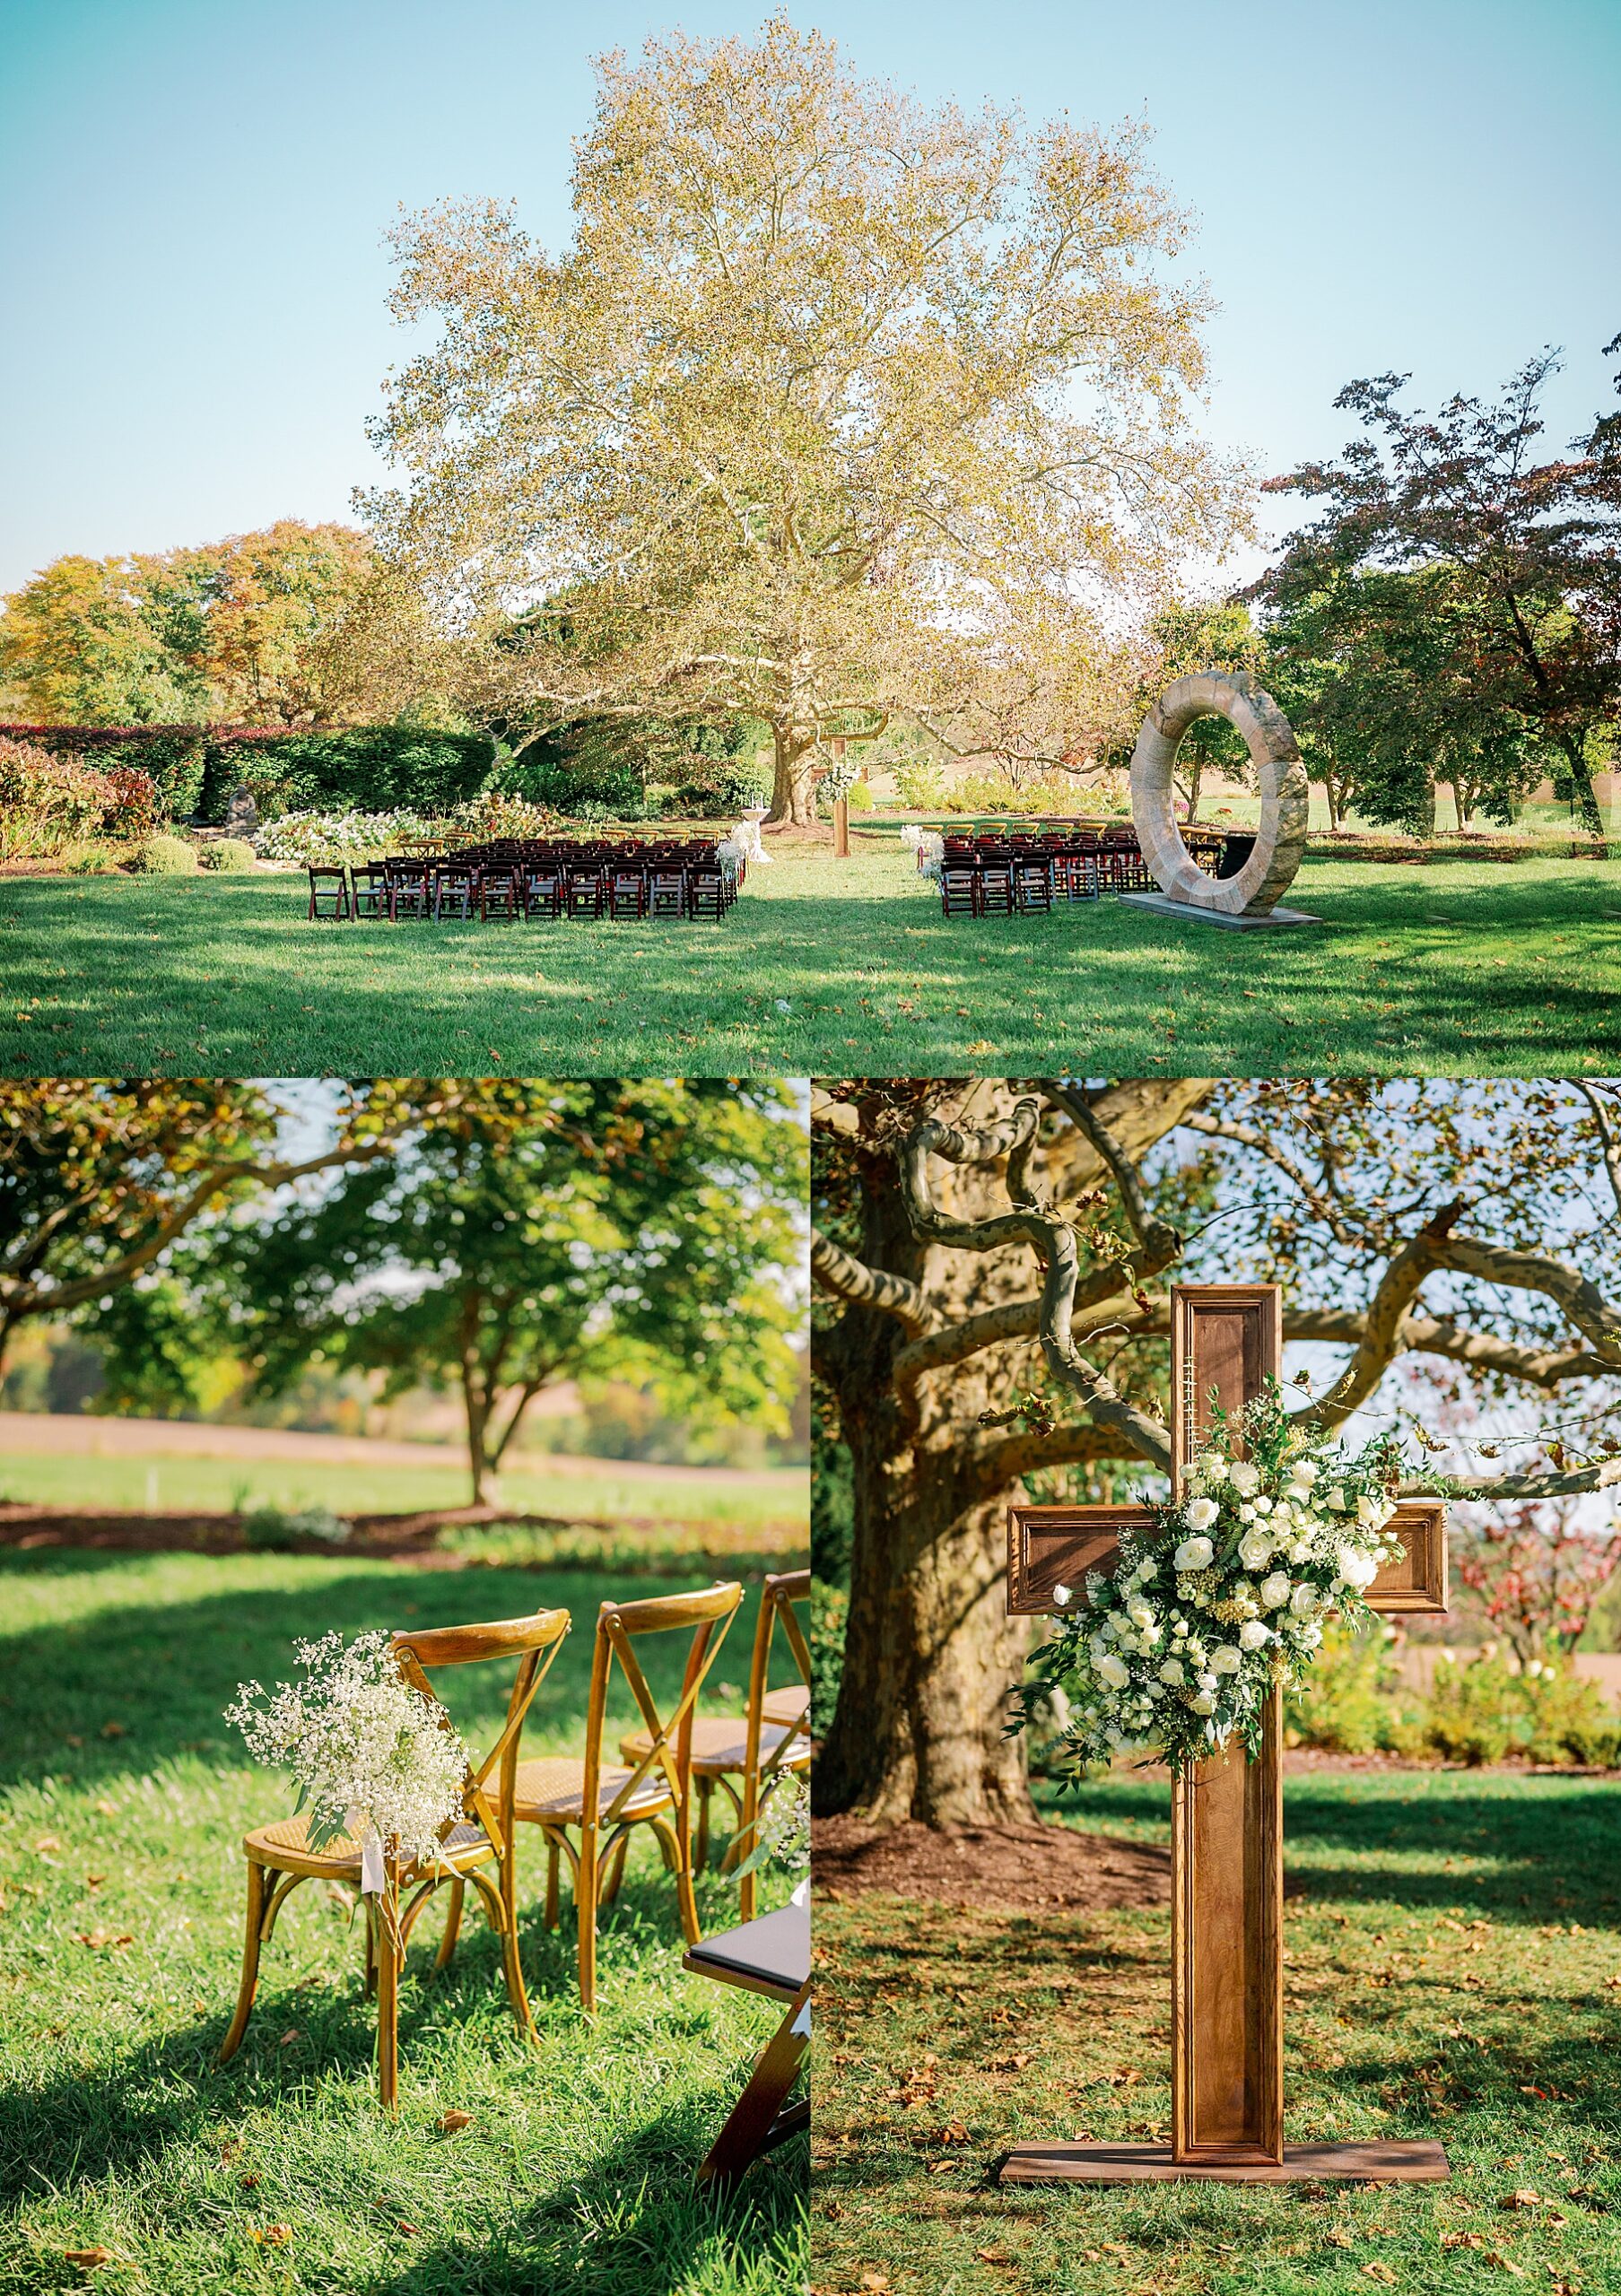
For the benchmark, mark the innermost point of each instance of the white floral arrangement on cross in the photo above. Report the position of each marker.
(1276, 1530)
(374, 1760)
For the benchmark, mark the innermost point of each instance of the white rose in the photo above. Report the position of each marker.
(1253, 1634)
(1147, 1568)
(1263, 1505)
(1298, 1493)
(1171, 1671)
(1255, 1550)
(1275, 1590)
(1227, 1660)
(1200, 1513)
(1209, 1681)
(1061, 1596)
(1305, 1601)
(1246, 1478)
(1306, 1472)
(1301, 1551)
(1375, 1513)
(1113, 1671)
(1357, 1567)
(1337, 1502)
(1194, 1554)
(1213, 1467)
(1140, 1613)
(1203, 1704)
(1309, 1637)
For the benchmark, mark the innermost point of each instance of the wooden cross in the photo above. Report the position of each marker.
(1226, 1888)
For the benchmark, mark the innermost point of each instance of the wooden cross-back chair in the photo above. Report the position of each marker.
(601, 1802)
(760, 1748)
(279, 1856)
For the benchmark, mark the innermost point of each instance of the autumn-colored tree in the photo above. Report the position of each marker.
(835, 407)
(278, 627)
(1526, 618)
(993, 1258)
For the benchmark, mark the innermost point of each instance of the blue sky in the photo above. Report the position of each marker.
(194, 196)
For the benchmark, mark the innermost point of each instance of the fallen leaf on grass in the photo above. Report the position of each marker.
(113, 1730)
(249, 2183)
(45, 1845)
(1523, 2198)
(409, 2230)
(89, 2258)
(993, 2256)
(953, 2133)
(100, 1940)
(274, 2236)
(1339, 2238)
(450, 2122)
(1462, 2240)
(292, 2034)
(105, 1810)
(877, 2282)
(1503, 2264)
(942, 2167)
(1379, 2272)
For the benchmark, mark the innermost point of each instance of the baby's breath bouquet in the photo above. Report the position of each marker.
(373, 1758)
(1179, 1648)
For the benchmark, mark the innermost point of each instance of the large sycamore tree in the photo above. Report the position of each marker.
(993, 1258)
(834, 408)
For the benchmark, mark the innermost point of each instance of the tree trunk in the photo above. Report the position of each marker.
(793, 802)
(1581, 782)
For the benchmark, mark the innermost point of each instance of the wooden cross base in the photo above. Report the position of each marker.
(1130, 2164)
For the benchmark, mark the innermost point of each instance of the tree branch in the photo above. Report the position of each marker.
(847, 1278)
(1381, 1340)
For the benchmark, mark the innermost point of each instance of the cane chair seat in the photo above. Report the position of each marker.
(719, 1744)
(286, 1845)
(552, 1790)
(790, 1704)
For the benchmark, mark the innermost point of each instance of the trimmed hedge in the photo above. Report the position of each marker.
(378, 769)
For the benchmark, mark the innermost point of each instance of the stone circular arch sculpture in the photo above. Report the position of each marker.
(1284, 794)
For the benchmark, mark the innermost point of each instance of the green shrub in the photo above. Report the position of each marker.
(163, 857)
(859, 797)
(276, 1530)
(1345, 1705)
(172, 757)
(369, 768)
(830, 1616)
(1470, 1712)
(1568, 1719)
(225, 854)
(920, 785)
(90, 860)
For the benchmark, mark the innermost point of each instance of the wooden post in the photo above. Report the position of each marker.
(841, 811)
(1226, 1901)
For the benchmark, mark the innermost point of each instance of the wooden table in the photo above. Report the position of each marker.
(771, 1955)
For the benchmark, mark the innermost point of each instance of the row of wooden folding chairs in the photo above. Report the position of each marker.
(447, 886)
(586, 1806)
(1023, 886)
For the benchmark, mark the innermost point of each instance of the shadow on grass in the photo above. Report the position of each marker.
(159, 1675)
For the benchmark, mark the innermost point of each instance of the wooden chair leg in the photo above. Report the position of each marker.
(553, 1860)
(610, 1888)
(585, 1901)
(388, 1997)
(700, 1855)
(447, 1944)
(251, 1960)
(757, 2122)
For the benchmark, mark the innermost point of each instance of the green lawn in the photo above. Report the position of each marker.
(123, 1799)
(1451, 1970)
(823, 968)
(774, 1501)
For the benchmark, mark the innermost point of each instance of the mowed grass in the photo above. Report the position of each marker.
(769, 1508)
(123, 1799)
(824, 969)
(1450, 1971)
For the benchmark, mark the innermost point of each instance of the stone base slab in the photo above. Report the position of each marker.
(1161, 905)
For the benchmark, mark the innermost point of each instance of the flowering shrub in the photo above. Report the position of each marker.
(350, 836)
(497, 812)
(373, 1756)
(1048, 793)
(133, 807)
(46, 803)
(1227, 1598)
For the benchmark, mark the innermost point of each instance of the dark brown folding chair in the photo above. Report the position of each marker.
(369, 889)
(455, 889)
(627, 893)
(666, 893)
(706, 892)
(543, 889)
(588, 892)
(499, 895)
(328, 892)
(959, 892)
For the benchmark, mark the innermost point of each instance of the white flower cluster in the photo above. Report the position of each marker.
(371, 1755)
(344, 835)
(1182, 1647)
